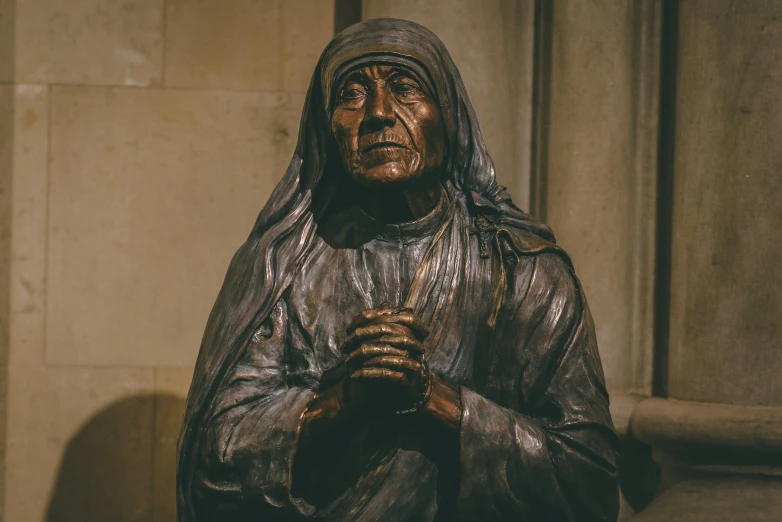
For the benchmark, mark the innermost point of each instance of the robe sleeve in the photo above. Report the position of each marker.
(543, 447)
(246, 459)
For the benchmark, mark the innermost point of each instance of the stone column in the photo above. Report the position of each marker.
(492, 45)
(718, 435)
(7, 9)
(600, 184)
(6, 141)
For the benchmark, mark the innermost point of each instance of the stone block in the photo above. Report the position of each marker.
(80, 444)
(29, 171)
(151, 192)
(309, 27)
(105, 42)
(7, 40)
(266, 45)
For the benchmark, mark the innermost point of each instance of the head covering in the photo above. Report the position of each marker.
(264, 265)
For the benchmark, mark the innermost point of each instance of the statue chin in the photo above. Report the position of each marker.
(385, 175)
(400, 170)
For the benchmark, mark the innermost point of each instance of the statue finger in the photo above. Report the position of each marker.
(368, 351)
(365, 333)
(407, 319)
(377, 373)
(367, 316)
(404, 342)
(394, 362)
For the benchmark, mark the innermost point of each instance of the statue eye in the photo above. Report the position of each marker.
(405, 88)
(352, 93)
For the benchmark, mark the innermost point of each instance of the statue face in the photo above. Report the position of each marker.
(388, 130)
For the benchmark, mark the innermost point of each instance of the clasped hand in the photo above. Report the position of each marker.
(386, 360)
(385, 371)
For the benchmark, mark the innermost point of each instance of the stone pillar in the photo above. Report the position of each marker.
(6, 142)
(492, 45)
(598, 183)
(718, 434)
(7, 10)
(601, 177)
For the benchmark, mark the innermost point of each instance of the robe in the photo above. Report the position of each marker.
(535, 442)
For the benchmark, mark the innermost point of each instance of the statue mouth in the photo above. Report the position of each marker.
(385, 141)
(382, 146)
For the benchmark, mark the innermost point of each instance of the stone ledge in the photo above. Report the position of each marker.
(720, 500)
(710, 433)
(622, 405)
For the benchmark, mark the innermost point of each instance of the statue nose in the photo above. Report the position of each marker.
(380, 114)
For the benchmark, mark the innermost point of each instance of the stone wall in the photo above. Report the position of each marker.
(726, 332)
(717, 429)
(138, 141)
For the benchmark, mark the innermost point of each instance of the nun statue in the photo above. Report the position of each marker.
(396, 340)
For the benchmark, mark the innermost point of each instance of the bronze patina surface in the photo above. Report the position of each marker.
(396, 340)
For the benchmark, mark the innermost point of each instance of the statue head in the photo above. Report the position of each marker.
(387, 126)
(393, 112)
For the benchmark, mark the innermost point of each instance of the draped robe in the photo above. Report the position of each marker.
(536, 440)
(510, 329)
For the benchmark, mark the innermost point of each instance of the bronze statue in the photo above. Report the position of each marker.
(396, 340)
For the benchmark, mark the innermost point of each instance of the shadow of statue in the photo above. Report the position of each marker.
(121, 465)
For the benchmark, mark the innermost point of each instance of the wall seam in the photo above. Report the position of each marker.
(45, 297)
(665, 180)
(541, 95)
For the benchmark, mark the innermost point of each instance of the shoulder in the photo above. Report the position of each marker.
(521, 243)
(526, 243)
(544, 265)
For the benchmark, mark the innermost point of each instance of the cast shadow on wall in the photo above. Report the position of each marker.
(121, 465)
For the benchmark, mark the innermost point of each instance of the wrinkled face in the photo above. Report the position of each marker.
(388, 130)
